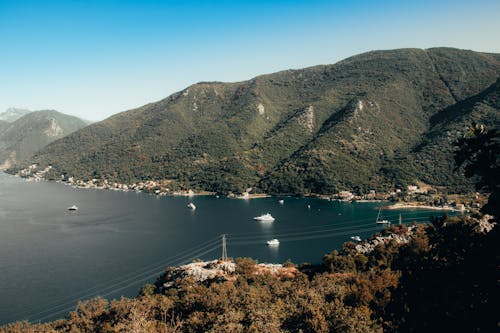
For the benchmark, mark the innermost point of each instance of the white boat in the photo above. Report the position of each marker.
(356, 238)
(192, 206)
(273, 242)
(73, 207)
(281, 201)
(381, 221)
(264, 217)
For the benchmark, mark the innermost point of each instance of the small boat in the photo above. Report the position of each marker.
(73, 207)
(381, 221)
(281, 201)
(264, 217)
(356, 238)
(273, 242)
(192, 206)
(308, 206)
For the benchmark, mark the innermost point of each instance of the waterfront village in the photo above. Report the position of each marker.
(413, 196)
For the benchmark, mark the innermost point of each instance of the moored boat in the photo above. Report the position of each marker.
(273, 242)
(381, 221)
(265, 218)
(356, 238)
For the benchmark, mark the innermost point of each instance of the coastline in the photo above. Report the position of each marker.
(399, 205)
(161, 188)
(118, 187)
(249, 196)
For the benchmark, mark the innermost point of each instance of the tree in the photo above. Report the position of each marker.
(479, 155)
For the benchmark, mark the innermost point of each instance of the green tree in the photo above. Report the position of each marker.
(479, 155)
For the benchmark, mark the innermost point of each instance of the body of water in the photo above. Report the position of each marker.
(116, 242)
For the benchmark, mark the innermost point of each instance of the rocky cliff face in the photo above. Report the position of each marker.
(220, 270)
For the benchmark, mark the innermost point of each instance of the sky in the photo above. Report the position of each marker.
(93, 59)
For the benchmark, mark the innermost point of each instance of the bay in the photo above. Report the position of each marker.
(50, 258)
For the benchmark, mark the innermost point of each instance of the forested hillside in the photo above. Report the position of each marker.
(371, 121)
(432, 160)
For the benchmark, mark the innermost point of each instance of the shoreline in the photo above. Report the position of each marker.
(250, 196)
(151, 187)
(415, 206)
(182, 193)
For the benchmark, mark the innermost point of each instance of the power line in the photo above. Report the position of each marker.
(142, 280)
(126, 277)
(346, 222)
(322, 231)
(289, 238)
(95, 291)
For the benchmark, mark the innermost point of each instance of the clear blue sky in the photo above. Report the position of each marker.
(96, 58)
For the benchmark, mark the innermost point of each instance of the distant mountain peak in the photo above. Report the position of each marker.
(12, 114)
(23, 137)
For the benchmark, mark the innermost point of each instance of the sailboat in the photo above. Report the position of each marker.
(381, 221)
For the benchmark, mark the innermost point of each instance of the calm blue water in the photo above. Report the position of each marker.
(117, 242)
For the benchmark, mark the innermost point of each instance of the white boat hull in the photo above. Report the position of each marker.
(265, 218)
(273, 242)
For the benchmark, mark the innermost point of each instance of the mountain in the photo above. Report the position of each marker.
(12, 114)
(20, 139)
(3, 125)
(365, 122)
(432, 160)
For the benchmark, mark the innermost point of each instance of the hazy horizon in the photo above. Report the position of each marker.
(98, 58)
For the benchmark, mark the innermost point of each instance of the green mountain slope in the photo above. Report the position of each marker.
(318, 129)
(28, 134)
(432, 160)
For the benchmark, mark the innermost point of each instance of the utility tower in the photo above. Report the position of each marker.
(224, 250)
